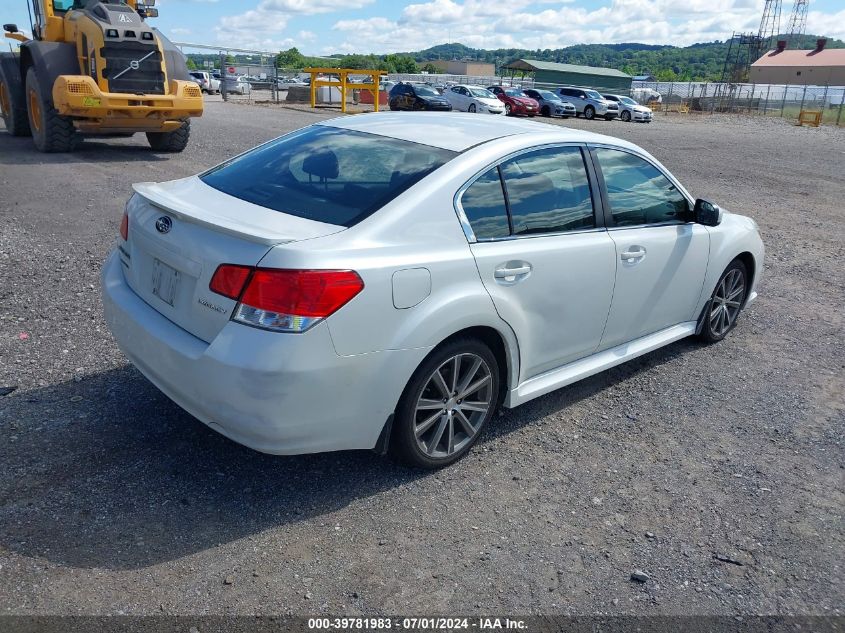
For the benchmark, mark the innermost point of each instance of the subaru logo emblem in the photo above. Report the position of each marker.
(163, 224)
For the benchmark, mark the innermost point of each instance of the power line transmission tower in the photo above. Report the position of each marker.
(746, 48)
(797, 21)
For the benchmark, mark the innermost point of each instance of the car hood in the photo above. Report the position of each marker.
(525, 100)
(495, 103)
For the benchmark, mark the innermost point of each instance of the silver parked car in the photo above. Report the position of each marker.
(551, 104)
(630, 110)
(589, 103)
(297, 298)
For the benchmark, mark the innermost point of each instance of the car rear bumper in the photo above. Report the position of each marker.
(275, 393)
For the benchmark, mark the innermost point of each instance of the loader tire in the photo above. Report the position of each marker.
(12, 101)
(51, 131)
(174, 141)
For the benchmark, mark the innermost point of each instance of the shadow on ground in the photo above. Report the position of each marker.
(17, 150)
(107, 472)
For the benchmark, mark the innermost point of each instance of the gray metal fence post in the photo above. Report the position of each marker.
(669, 98)
(766, 105)
(223, 92)
(803, 96)
(824, 99)
(841, 103)
(783, 101)
(751, 98)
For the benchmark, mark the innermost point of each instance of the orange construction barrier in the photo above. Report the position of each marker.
(812, 118)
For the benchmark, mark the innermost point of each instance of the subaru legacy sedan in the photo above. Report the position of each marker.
(387, 281)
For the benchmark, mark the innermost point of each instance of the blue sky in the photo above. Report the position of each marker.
(321, 27)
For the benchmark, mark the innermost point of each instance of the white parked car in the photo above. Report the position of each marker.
(298, 299)
(473, 99)
(630, 110)
(238, 85)
(206, 81)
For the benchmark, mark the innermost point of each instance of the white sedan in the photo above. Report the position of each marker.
(630, 110)
(299, 299)
(473, 99)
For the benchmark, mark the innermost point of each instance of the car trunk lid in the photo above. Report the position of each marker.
(181, 231)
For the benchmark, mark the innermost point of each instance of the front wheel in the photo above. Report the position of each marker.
(471, 108)
(725, 303)
(450, 398)
(589, 112)
(507, 109)
(626, 116)
(51, 131)
(174, 141)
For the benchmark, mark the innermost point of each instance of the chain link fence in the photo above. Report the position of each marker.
(756, 99)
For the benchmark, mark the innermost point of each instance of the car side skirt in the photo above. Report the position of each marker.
(586, 367)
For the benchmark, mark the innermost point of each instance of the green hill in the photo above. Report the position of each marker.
(698, 62)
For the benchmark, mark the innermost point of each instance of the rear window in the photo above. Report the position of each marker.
(327, 174)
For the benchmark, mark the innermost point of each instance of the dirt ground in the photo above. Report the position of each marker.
(718, 471)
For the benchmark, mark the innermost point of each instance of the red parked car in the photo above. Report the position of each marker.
(516, 101)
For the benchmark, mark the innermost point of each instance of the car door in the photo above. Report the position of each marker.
(545, 261)
(661, 257)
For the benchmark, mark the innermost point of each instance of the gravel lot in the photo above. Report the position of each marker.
(113, 500)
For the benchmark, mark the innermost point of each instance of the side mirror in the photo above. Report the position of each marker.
(10, 28)
(706, 213)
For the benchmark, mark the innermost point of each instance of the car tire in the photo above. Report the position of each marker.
(424, 436)
(625, 116)
(471, 108)
(174, 141)
(51, 132)
(726, 303)
(609, 118)
(508, 109)
(12, 100)
(589, 113)
(545, 111)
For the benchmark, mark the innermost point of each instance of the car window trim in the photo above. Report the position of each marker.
(609, 222)
(598, 206)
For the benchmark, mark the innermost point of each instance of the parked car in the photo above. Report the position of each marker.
(551, 104)
(473, 99)
(630, 110)
(407, 96)
(516, 102)
(589, 103)
(387, 281)
(206, 81)
(238, 85)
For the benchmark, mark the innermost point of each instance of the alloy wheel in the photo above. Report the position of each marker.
(453, 405)
(727, 301)
(472, 107)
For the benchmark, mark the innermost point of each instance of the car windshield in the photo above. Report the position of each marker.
(426, 91)
(514, 92)
(326, 174)
(548, 96)
(627, 101)
(482, 93)
(592, 94)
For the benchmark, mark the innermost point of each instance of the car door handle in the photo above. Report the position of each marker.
(504, 273)
(633, 254)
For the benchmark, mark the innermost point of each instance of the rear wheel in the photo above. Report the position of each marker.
(589, 112)
(12, 101)
(725, 303)
(51, 131)
(174, 141)
(447, 403)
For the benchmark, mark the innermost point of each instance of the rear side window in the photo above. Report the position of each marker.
(544, 191)
(484, 205)
(548, 191)
(327, 174)
(638, 192)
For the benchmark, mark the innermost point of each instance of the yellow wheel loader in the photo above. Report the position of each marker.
(95, 67)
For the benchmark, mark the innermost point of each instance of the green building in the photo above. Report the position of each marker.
(553, 74)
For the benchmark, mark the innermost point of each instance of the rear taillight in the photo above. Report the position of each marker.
(285, 300)
(124, 226)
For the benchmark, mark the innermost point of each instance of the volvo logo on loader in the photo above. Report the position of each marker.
(163, 224)
(134, 64)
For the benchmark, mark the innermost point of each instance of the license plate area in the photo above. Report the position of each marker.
(165, 281)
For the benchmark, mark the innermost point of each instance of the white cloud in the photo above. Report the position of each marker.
(261, 27)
